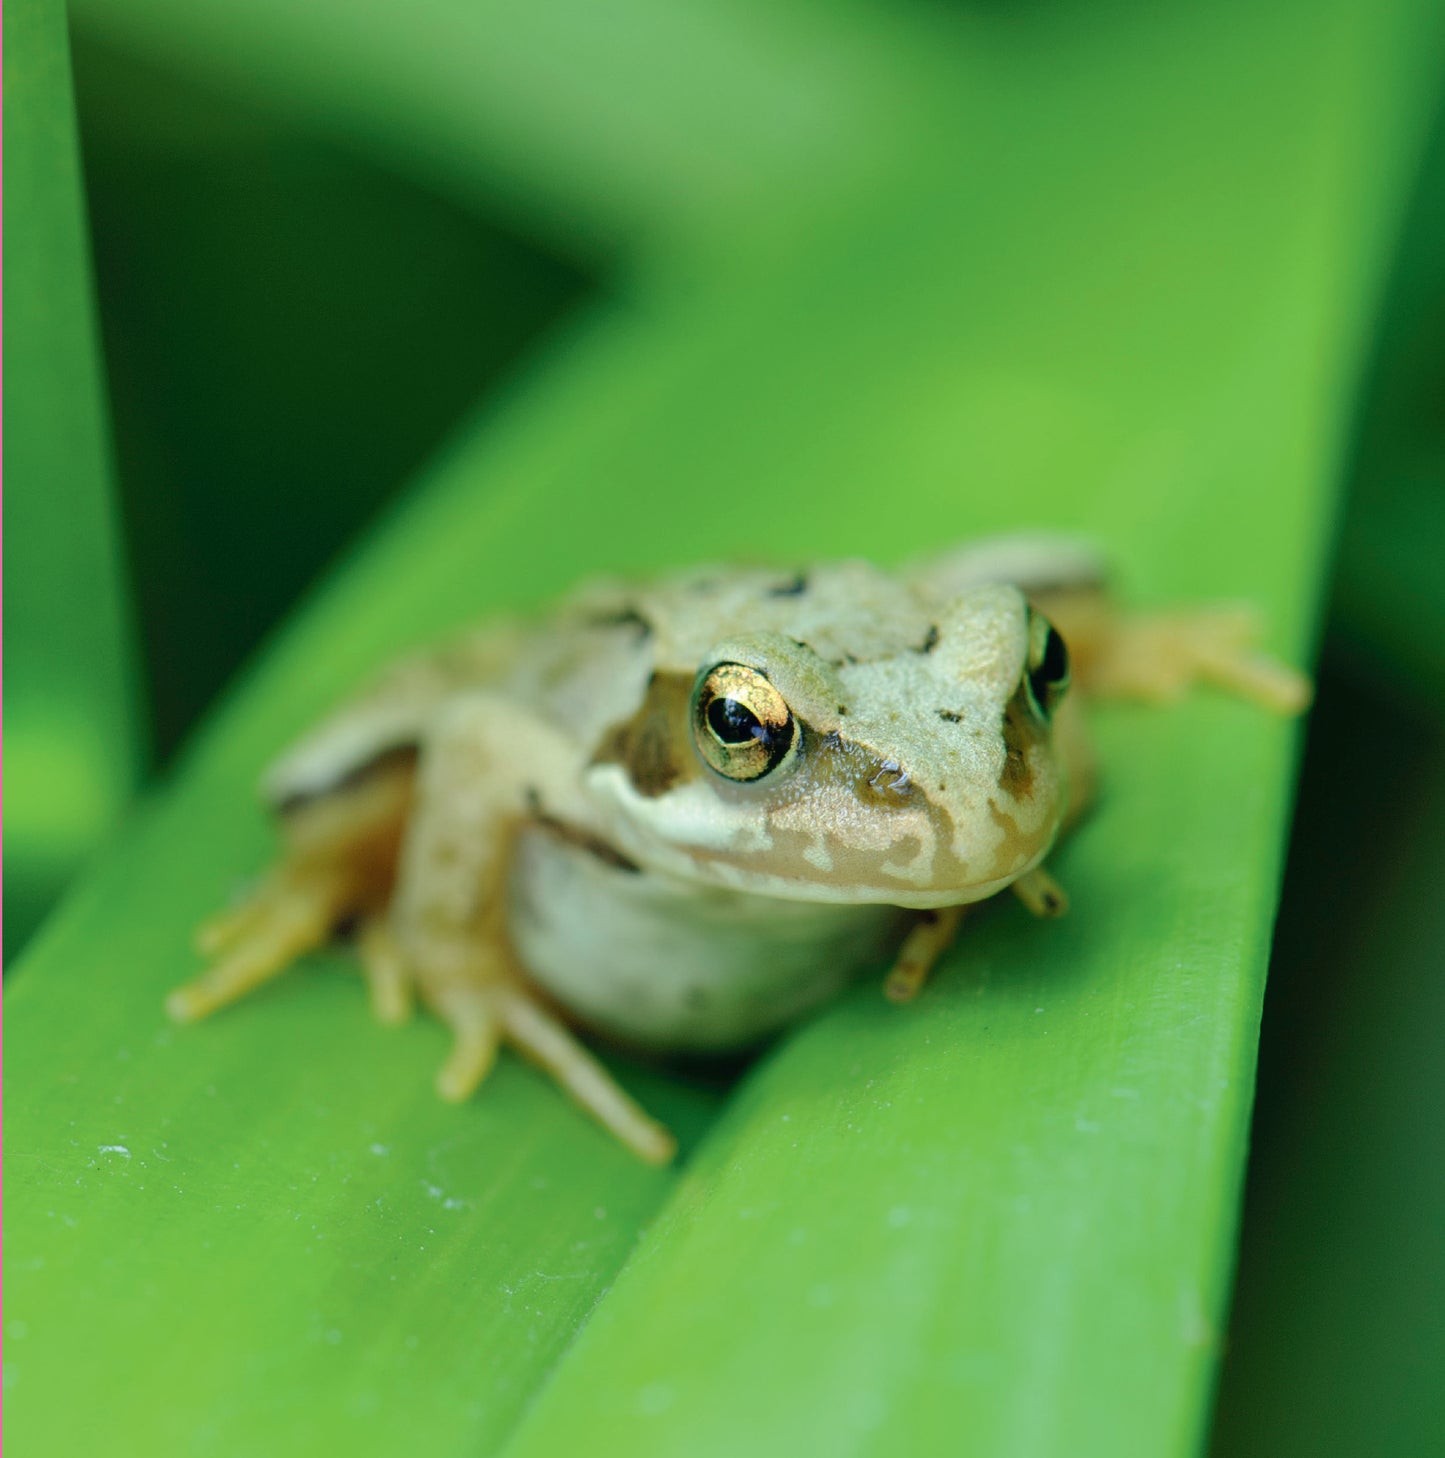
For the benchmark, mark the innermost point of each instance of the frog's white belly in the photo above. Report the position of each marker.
(672, 966)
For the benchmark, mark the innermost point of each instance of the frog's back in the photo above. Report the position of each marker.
(580, 666)
(585, 665)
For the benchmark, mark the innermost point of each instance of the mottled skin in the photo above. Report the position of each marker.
(689, 810)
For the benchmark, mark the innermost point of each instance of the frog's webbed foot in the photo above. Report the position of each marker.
(287, 916)
(339, 867)
(1158, 657)
(489, 1003)
(483, 1004)
(927, 940)
(541, 1037)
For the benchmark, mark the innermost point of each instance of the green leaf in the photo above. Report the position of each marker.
(1116, 283)
(72, 741)
(243, 269)
(645, 126)
(1337, 1336)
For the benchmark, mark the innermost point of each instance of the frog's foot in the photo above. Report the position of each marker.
(1041, 893)
(1159, 656)
(930, 937)
(483, 1013)
(339, 867)
(290, 913)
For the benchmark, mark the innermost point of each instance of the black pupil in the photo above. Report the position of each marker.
(733, 722)
(1046, 682)
(1055, 667)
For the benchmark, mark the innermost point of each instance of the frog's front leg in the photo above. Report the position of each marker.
(1158, 656)
(1155, 657)
(935, 931)
(927, 940)
(448, 919)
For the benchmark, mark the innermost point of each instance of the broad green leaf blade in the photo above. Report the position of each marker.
(266, 1234)
(964, 358)
(71, 752)
(1007, 1225)
(248, 273)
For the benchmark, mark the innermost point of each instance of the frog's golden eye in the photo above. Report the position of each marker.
(742, 725)
(1047, 673)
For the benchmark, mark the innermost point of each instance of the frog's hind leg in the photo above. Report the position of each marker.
(339, 868)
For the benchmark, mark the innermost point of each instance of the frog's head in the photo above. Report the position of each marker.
(924, 776)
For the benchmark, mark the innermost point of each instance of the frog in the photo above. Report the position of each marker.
(681, 814)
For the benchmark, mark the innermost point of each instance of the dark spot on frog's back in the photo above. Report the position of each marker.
(623, 617)
(1021, 734)
(652, 745)
(930, 640)
(950, 716)
(796, 588)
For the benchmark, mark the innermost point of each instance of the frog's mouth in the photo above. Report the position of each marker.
(916, 857)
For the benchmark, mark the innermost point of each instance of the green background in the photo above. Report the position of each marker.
(467, 303)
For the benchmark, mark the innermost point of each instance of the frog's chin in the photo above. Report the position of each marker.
(845, 892)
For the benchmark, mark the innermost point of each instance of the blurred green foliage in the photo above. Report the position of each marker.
(290, 329)
(1072, 267)
(72, 739)
(1389, 589)
(1337, 1341)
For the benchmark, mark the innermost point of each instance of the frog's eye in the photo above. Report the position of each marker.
(1047, 674)
(742, 725)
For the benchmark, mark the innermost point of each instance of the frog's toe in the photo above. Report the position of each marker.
(476, 1036)
(1159, 657)
(1040, 893)
(258, 942)
(492, 1004)
(388, 980)
(1239, 667)
(218, 933)
(542, 1037)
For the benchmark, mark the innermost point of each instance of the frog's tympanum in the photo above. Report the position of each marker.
(683, 813)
